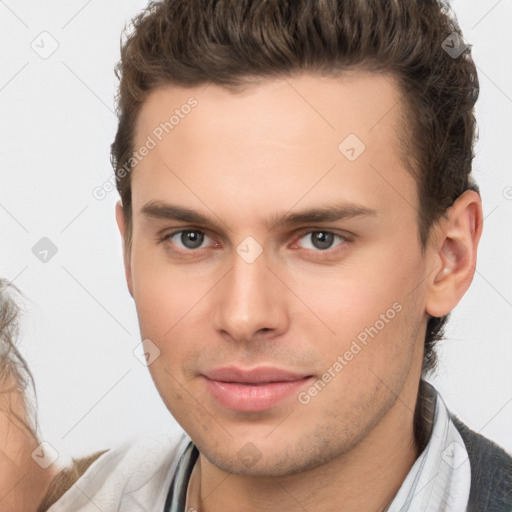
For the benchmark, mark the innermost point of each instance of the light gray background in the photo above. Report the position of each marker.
(80, 326)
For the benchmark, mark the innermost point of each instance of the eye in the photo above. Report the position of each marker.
(321, 240)
(188, 239)
(191, 239)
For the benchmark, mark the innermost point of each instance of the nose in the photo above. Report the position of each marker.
(250, 302)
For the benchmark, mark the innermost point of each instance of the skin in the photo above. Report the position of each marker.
(242, 158)
(23, 483)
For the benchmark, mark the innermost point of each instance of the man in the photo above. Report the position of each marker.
(299, 219)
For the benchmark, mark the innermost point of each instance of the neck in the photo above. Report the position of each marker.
(365, 478)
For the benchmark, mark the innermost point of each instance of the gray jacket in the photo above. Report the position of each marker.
(491, 472)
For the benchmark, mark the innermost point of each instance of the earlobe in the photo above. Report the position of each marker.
(121, 224)
(454, 254)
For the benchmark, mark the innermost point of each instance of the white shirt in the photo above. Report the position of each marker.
(136, 476)
(440, 479)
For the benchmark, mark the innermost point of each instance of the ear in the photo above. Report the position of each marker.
(455, 243)
(121, 224)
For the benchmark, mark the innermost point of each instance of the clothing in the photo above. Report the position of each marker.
(439, 480)
(457, 471)
(176, 499)
(134, 477)
(491, 472)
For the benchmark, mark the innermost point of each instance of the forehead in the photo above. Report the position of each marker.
(281, 140)
(356, 100)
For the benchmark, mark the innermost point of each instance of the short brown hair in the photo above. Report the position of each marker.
(232, 42)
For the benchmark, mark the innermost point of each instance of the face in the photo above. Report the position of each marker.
(276, 266)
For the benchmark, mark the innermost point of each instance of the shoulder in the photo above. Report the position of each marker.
(134, 476)
(491, 472)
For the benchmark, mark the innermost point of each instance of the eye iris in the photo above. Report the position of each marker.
(322, 240)
(192, 239)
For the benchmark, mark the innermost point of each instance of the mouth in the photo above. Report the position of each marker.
(253, 390)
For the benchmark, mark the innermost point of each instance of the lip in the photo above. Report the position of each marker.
(252, 390)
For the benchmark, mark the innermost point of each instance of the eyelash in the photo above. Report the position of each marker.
(319, 253)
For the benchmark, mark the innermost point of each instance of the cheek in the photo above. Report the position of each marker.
(160, 304)
(366, 363)
(159, 289)
(162, 308)
(349, 299)
(369, 309)
(170, 303)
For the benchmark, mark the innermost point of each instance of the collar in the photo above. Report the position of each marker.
(440, 478)
(177, 497)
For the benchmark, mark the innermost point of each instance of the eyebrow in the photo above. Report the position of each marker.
(336, 212)
(162, 210)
